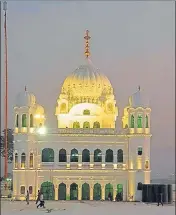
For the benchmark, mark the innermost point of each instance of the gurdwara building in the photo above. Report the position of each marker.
(87, 156)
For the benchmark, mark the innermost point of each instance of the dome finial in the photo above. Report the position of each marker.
(87, 38)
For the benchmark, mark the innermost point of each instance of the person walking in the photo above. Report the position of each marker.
(42, 203)
(160, 199)
(38, 197)
(27, 197)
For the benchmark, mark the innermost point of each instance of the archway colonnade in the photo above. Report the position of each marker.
(83, 191)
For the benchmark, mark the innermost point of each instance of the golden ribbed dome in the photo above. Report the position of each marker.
(86, 81)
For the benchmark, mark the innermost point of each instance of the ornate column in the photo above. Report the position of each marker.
(114, 191)
(56, 191)
(79, 191)
(91, 191)
(102, 191)
(67, 191)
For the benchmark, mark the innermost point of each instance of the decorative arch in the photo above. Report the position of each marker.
(23, 160)
(17, 121)
(146, 121)
(86, 125)
(108, 191)
(97, 155)
(16, 160)
(119, 192)
(139, 121)
(73, 191)
(74, 155)
(62, 155)
(47, 188)
(97, 192)
(63, 108)
(31, 121)
(76, 125)
(31, 160)
(62, 191)
(85, 191)
(132, 121)
(24, 121)
(85, 155)
(96, 125)
(47, 155)
(120, 156)
(109, 156)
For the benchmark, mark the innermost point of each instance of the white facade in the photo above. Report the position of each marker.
(95, 159)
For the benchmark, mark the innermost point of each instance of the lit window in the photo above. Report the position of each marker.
(132, 121)
(16, 160)
(139, 121)
(31, 160)
(24, 121)
(146, 121)
(23, 160)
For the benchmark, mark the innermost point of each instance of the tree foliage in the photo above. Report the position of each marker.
(10, 144)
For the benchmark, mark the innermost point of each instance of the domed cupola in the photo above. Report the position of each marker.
(25, 99)
(139, 99)
(28, 114)
(88, 92)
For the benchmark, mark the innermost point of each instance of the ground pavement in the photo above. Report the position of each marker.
(85, 208)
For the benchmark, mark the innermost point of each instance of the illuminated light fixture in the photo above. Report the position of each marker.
(41, 130)
(37, 116)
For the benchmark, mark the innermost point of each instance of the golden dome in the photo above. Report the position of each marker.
(88, 82)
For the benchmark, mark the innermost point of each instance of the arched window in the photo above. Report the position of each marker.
(97, 155)
(120, 156)
(24, 121)
(76, 125)
(31, 160)
(23, 160)
(86, 125)
(62, 155)
(74, 155)
(86, 112)
(63, 108)
(139, 121)
(85, 155)
(109, 156)
(17, 121)
(16, 160)
(47, 155)
(132, 121)
(31, 121)
(96, 125)
(146, 121)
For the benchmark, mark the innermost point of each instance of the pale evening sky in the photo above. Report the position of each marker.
(132, 43)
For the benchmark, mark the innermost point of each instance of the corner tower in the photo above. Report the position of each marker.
(28, 114)
(87, 98)
(136, 120)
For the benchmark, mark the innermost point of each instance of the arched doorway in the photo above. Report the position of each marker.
(62, 192)
(108, 189)
(85, 192)
(97, 192)
(74, 191)
(47, 188)
(120, 192)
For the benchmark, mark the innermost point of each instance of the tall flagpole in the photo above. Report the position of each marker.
(6, 92)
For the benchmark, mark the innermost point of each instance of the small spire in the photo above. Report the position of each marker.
(87, 38)
(139, 88)
(25, 88)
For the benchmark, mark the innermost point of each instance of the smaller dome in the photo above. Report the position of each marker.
(139, 99)
(25, 99)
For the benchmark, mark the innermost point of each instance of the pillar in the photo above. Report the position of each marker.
(91, 192)
(56, 192)
(79, 192)
(114, 191)
(102, 191)
(67, 191)
(131, 185)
